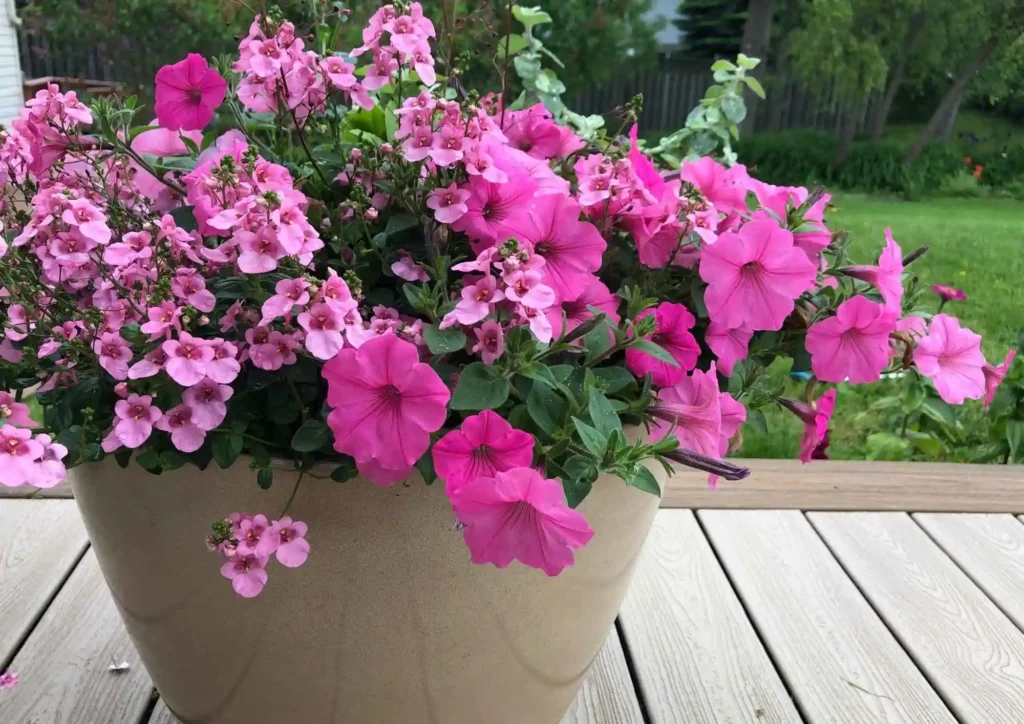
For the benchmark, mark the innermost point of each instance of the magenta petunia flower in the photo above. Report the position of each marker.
(571, 248)
(386, 403)
(484, 445)
(754, 275)
(186, 435)
(726, 188)
(520, 515)
(248, 574)
(496, 212)
(692, 411)
(854, 344)
(994, 375)
(951, 356)
(816, 419)
(887, 276)
(729, 345)
(672, 333)
(188, 93)
(14, 413)
(577, 309)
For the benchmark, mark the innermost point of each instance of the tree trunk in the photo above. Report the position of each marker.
(757, 36)
(951, 98)
(847, 130)
(946, 129)
(895, 80)
(777, 104)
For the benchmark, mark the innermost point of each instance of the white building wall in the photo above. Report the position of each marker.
(10, 64)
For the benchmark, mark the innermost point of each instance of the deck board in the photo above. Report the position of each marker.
(840, 661)
(971, 652)
(607, 694)
(39, 543)
(696, 654)
(63, 665)
(989, 549)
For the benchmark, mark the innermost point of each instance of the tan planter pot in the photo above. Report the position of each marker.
(387, 623)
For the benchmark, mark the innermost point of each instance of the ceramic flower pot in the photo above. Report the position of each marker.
(387, 623)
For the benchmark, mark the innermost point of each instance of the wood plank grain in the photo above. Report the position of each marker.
(989, 549)
(40, 540)
(971, 653)
(607, 693)
(63, 665)
(695, 653)
(840, 661)
(856, 485)
(162, 715)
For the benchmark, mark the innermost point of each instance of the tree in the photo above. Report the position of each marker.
(711, 28)
(897, 72)
(757, 35)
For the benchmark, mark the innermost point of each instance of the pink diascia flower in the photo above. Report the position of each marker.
(994, 375)
(671, 333)
(951, 356)
(187, 359)
(887, 276)
(484, 445)
(692, 411)
(734, 414)
(754, 275)
(729, 345)
(187, 93)
(854, 344)
(8, 679)
(816, 419)
(49, 470)
(208, 401)
(323, 324)
(288, 539)
(186, 435)
(18, 455)
(136, 416)
(386, 403)
(114, 354)
(288, 294)
(248, 574)
(520, 515)
(490, 342)
(449, 204)
(406, 268)
(14, 413)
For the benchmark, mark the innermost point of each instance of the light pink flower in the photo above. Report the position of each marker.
(224, 367)
(114, 354)
(520, 515)
(247, 573)
(994, 375)
(277, 352)
(260, 251)
(816, 419)
(571, 248)
(14, 413)
(292, 548)
(754, 275)
(449, 204)
(483, 445)
(90, 221)
(189, 287)
(149, 365)
(186, 435)
(8, 680)
(135, 418)
(527, 288)
(951, 356)
(323, 325)
(692, 411)
(729, 345)
(671, 333)
(187, 359)
(188, 93)
(386, 403)
(18, 454)
(887, 276)
(251, 532)
(207, 400)
(407, 269)
(477, 300)
(490, 342)
(446, 150)
(725, 188)
(854, 344)
(162, 319)
(133, 246)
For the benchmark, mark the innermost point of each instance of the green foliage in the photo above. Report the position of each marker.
(711, 28)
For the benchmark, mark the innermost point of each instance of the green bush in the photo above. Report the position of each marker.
(964, 185)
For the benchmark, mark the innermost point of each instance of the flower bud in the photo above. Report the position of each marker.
(370, 214)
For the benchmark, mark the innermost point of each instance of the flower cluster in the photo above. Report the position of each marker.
(383, 273)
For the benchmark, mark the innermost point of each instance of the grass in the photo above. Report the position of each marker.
(975, 244)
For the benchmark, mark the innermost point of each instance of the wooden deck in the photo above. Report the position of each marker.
(784, 613)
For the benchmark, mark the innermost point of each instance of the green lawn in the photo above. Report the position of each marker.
(975, 244)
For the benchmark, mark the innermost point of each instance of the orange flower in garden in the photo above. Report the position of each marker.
(978, 168)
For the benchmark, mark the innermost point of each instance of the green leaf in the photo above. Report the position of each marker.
(598, 340)
(1015, 437)
(311, 436)
(184, 218)
(602, 414)
(399, 223)
(226, 449)
(170, 460)
(426, 467)
(516, 43)
(527, 68)
(644, 480)
(148, 460)
(746, 62)
(265, 478)
(755, 85)
(723, 64)
(344, 472)
(530, 16)
(594, 440)
(443, 341)
(939, 411)
(546, 408)
(615, 379)
(654, 350)
(189, 144)
(123, 457)
(480, 387)
(734, 108)
(757, 421)
(584, 329)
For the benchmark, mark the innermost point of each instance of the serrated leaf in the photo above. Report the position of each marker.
(480, 387)
(443, 341)
(594, 440)
(644, 480)
(602, 414)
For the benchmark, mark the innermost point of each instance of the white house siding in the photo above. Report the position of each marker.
(10, 65)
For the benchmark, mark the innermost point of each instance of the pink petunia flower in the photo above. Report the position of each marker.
(734, 414)
(186, 435)
(816, 419)
(187, 359)
(672, 333)
(114, 354)
(496, 212)
(323, 324)
(386, 403)
(951, 356)
(248, 574)
(188, 93)
(994, 375)
(887, 276)
(726, 188)
(484, 445)
(520, 515)
(14, 413)
(290, 544)
(949, 294)
(449, 204)
(729, 345)
(692, 411)
(577, 309)
(18, 454)
(136, 416)
(854, 344)
(754, 275)
(571, 248)
(490, 342)
(207, 400)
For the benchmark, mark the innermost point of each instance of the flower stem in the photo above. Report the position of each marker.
(288, 505)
